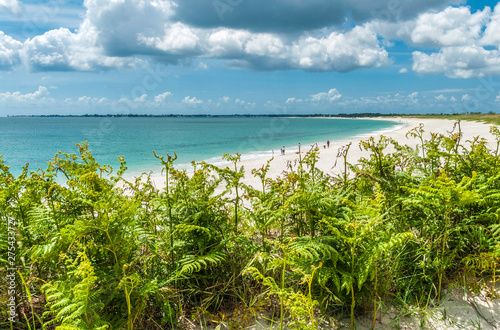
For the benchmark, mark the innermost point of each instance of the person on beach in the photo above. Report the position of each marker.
(328, 143)
(283, 150)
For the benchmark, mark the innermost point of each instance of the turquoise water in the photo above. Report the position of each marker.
(35, 140)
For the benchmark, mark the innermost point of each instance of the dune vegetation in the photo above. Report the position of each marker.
(302, 251)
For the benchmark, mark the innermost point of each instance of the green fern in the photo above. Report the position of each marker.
(192, 264)
(75, 303)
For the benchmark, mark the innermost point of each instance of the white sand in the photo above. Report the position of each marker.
(328, 156)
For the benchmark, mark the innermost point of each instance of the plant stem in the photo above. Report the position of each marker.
(375, 298)
(282, 303)
(353, 303)
(441, 270)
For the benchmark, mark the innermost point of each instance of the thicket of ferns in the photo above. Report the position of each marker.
(303, 249)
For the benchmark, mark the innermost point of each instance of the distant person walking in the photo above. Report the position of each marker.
(283, 150)
(328, 143)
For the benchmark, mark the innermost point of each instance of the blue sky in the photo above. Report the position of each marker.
(248, 56)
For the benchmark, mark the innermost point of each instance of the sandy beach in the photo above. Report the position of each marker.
(328, 156)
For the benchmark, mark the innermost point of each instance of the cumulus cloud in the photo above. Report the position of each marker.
(141, 99)
(332, 95)
(340, 51)
(192, 102)
(450, 27)
(337, 51)
(63, 50)
(244, 104)
(9, 51)
(461, 36)
(125, 26)
(17, 97)
(161, 98)
(459, 62)
(491, 35)
(89, 101)
(177, 39)
(403, 70)
(441, 97)
(14, 6)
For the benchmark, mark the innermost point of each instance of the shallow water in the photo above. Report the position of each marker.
(35, 140)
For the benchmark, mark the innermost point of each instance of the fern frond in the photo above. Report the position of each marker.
(313, 249)
(183, 230)
(191, 264)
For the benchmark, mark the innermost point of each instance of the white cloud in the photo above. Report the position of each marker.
(491, 35)
(459, 62)
(403, 70)
(90, 101)
(226, 42)
(265, 45)
(332, 95)
(336, 51)
(193, 102)
(162, 97)
(342, 52)
(141, 99)
(129, 27)
(450, 27)
(244, 104)
(458, 33)
(225, 99)
(441, 97)
(9, 51)
(17, 97)
(14, 6)
(466, 97)
(62, 50)
(453, 99)
(177, 39)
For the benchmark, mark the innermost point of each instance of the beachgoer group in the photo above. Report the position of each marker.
(316, 145)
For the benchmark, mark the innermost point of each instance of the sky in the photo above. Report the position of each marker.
(248, 56)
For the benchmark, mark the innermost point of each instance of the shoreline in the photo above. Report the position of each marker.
(259, 151)
(328, 156)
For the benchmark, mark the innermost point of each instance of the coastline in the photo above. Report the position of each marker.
(328, 156)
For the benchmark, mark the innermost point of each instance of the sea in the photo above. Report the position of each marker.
(35, 140)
